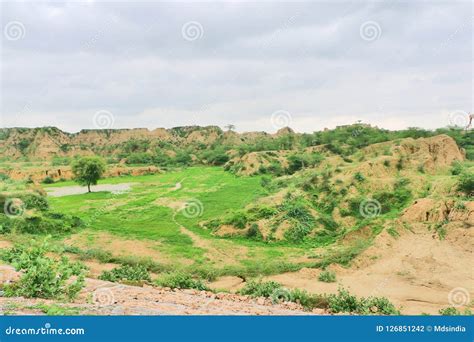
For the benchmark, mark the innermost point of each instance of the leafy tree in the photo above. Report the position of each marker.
(161, 158)
(183, 158)
(466, 183)
(229, 127)
(88, 170)
(216, 156)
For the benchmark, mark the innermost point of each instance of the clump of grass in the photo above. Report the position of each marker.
(295, 209)
(136, 273)
(359, 177)
(260, 289)
(466, 183)
(56, 310)
(345, 255)
(393, 232)
(307, 300)
(180, 280)
(441, 229)
(107, 257)
(327, 277)
(452, 311)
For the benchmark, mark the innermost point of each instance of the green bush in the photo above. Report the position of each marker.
(400, 164)
(299, 161)
(139, 158)
(260, 289)
(296, 208)
(183, 158)
(42, 276)
(343, 301)
(277, 293)
(327, 277)
(266, 182)
(238, 219)
(181, 280)
(216, 156)
(135, 273)
(466, 183)
(31, 200)
(457, 168)
(307, 300)
(297, 232)
(359, 177)
(47, 223)
(48, 180)
(35, 201)
(254, 231)
(263, 211)
(451, 311)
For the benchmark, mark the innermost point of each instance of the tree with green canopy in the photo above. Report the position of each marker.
(88, 170)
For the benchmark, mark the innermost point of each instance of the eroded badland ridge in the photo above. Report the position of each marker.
(378, 213)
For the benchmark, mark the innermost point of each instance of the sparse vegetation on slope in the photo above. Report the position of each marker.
(269, 204)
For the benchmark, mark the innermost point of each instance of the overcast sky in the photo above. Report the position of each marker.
(257, 65)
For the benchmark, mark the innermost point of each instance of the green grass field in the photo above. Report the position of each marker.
(146, 213)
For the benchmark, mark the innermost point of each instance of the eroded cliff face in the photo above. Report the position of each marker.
(47, 142)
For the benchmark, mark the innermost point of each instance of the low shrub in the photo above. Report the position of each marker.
(43, 276)
(260, 289)
(297, 232)
(238, 219)
(136, 273)
(307, 300)
(31, 200)
(452, 311)
(44, 224)
(254, 231)
(466, 183)
(457, 168)
(48, 180)
(343, 301)
(359, 177)
(181, 280)
(327, 277)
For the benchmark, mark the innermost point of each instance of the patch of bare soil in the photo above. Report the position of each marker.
(95, 268)
(431, 210)
(119, 246)
(220, 252)
(172, 203)
(415, 271)
(229, 283)
(5, 244)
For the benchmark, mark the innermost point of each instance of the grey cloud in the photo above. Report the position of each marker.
(253, 59)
